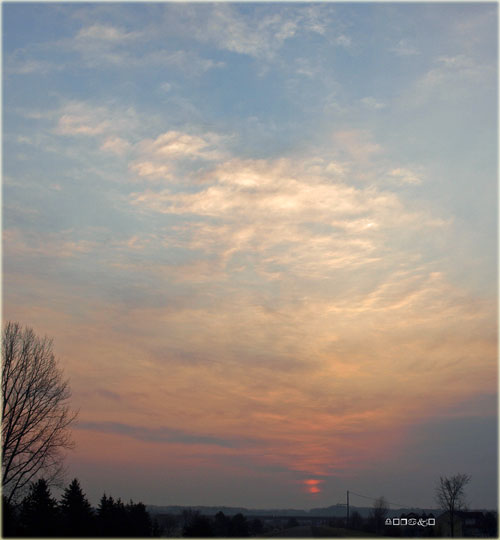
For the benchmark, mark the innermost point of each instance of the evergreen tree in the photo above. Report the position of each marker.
(10, 520)
(139, 521)
(76, 513)
(105, 516)
(114, 519)
(39, 512)
(121, 522)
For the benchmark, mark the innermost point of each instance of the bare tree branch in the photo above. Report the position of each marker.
(35, 410)
(450, 495)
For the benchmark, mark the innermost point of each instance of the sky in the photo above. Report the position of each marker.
(263, 238)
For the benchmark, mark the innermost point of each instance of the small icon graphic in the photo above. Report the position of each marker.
(410, 521)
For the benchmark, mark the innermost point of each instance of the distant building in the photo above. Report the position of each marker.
(466, 524)
(415, 524)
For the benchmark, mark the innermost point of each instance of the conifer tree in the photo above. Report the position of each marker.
(105, 516)
(39, 512)
(76, 513)
(139, 521)
(10, 520)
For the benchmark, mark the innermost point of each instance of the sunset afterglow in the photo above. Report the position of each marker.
(263, 239)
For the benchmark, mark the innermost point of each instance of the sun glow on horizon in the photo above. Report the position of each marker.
(313, 485)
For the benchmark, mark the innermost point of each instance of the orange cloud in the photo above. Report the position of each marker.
(301, 326)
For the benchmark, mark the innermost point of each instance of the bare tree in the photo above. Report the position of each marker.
(450, 495)
(35, 411)
(379, 513)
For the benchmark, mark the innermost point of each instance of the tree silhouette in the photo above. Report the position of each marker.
(76, 513)
(40, 515)
(39, 512)
(239, 526)
(356, 521)
(114, 519)
(10, 519)
(35, 412)
(105, 516)
(198, 527)
(221, 525)
(256, 527)
(490, 525)
(450, 495)
(379, 513)
(138, 520)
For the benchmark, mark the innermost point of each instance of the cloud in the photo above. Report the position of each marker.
(344, 41)
(404, 48)
(186, 61)
(406, 176)
(274, 290)
(55, 245)
(273, 192)
(371, 103)
(80, 119)
(453, 68)
(258, 37)
(105, 33)
(452, 78)
(30, 60)
(30, 66)
(263, 35)
(116, 145)
(159, 435)
(297, 223)
(177, 145)
(151, 170)
(104, 123)
(294, 216)
(159, 158)
(102, 45)
(357, 143)
(363, 352)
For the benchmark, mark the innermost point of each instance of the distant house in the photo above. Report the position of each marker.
(416, 525)
(466, 524)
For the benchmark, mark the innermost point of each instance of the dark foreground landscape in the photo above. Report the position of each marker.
(39, 514)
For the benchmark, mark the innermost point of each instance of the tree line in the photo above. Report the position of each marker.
(196, 525)
(39, 514)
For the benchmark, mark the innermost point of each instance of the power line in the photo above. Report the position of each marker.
(388, 502)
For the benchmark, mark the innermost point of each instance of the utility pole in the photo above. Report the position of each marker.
(347, 521)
